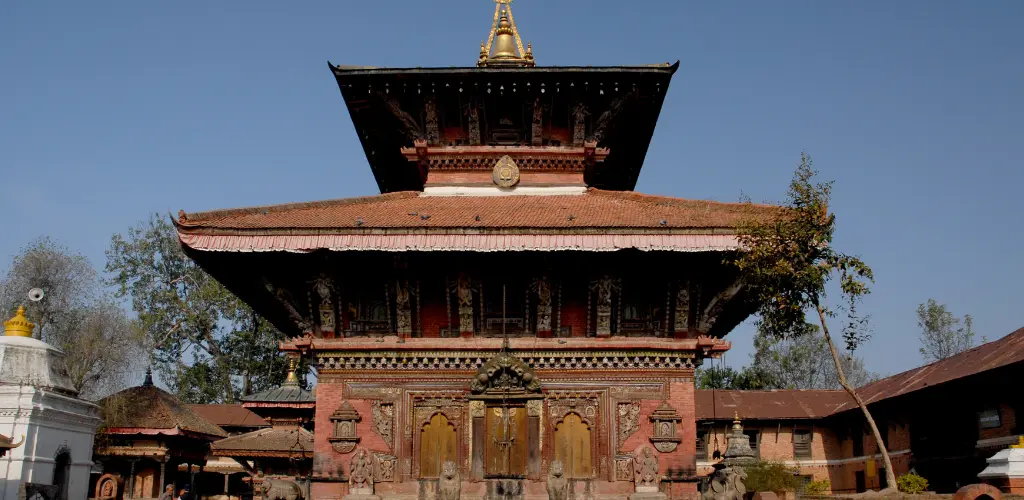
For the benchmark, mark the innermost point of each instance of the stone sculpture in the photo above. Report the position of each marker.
(361, 474)
(280, 489)
(646, 478)
(450, 484)
(726, 484)
(558, 485)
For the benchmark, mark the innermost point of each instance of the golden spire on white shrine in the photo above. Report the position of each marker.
(503, 46)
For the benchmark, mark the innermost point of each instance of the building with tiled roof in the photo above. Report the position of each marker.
(943, 420)
(506, 229)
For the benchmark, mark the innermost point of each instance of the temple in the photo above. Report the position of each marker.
(507, 314)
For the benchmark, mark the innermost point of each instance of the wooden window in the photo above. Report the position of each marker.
(702, 445)
(802, 444)
(990, 419)
(754, 436)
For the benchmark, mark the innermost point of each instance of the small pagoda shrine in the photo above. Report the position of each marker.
(51, 430)
(506, 249)
(282, 452)
(147, 434)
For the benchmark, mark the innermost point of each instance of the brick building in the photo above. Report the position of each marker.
(942, 420)
(507, 300)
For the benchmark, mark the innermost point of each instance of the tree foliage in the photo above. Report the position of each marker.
(942, 335)
(100, 343)
(772, 476)
(804, 362)
(727, 377)
(788, 261)
(207, 344)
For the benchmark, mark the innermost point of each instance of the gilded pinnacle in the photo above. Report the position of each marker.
(19, 325)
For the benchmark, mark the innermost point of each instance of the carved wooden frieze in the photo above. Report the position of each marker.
(343, 420)
(384, 420)
(585, 407)
(629, 420)
(382, 393)
(477, 409)
(403, 308)
(433, 135)
(579, 124)
(534, 407)
(682, 319)
(537, 131)
(473, 360)
(473, 118)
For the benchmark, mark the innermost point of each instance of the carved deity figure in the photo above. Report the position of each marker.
(108, 490)
(433, 132)
(403, 307)
(465, 293)
(360, 471)
(543, 305)
(645, 470)
(604, 288)
(449, 486)
(579, 127)
(726, 484)
(473, 118)
(682, 322)
(322, 287)
(558, 485)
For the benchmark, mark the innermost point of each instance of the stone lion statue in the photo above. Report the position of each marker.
(558, 485)
(280, 489)
(449, 486)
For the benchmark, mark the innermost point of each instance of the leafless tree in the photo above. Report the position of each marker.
(100, 343)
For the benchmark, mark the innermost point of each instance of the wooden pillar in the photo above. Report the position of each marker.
(227, 477)
(477, 467)
(163, 475)
(533, 457)
(131, 480)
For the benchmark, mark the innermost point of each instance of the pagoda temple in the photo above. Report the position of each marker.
(507, 314)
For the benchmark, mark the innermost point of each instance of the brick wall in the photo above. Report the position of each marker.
(1007, 424)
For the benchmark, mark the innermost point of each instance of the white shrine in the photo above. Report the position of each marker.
(51, 427)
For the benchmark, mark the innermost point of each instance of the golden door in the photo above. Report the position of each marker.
(438, 444)
(572, 446)
(506, 441)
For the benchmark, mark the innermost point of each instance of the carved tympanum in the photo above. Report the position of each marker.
(505, 374)
(384, 421)
(629, 420)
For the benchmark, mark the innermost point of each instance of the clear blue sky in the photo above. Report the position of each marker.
(112, 110)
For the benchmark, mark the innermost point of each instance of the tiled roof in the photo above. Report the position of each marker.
(270, 442)
(147, 409)
(227, 415)
(409, 210)
(776, 404)
(287, 393)
(1005, 351)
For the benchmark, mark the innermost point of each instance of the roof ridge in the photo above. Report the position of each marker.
(194, 218)
(647, 197)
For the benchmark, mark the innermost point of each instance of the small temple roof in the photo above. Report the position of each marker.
(289, 394)
(466, 222)
(147, 409)
(284, 442)
(229, 415)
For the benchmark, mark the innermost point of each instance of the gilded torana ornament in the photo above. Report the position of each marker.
(506, 172)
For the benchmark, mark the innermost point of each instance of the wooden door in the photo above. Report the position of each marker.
(438, 444)
(506, 441)
(572, 446)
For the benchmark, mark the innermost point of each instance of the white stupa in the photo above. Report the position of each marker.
(1006, 469)
(51, 429)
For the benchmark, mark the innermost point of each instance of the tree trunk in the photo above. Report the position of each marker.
(890, 475)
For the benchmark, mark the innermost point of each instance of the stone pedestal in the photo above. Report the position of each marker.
(361, 494)
(1005, 470)
(505, 489)
(647, 493)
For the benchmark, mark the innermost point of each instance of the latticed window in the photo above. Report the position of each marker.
(702, 444)
(802, 444)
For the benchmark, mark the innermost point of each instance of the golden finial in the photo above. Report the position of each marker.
(292, 378)
(19, 325)
(503, 46)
